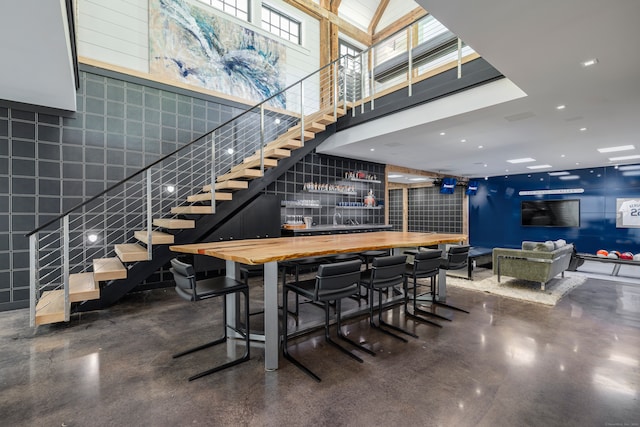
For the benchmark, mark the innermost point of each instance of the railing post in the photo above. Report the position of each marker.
(459, 58)
(149, 217)
(213, 172)
(302, 112)
(335, 91)
(344, 87)
(362, 82)
(33, 278)
(262, 138)
(372, 81)
(65, 266)
(410, 52)
(353, 86)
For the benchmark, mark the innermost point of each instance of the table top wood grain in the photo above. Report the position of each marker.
(260, 251)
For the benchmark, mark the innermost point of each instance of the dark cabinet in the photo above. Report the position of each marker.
(259, 219)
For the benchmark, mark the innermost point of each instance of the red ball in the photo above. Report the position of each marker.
(627, 256)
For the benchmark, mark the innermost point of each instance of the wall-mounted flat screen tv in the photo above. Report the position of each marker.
(448, 185)
(550, 213)
(472, 188)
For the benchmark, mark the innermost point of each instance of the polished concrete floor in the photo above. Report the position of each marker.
(507, 363)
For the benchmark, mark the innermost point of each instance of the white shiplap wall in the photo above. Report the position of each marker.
(116, 32)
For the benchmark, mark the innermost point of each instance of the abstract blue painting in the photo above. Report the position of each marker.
(194, 46)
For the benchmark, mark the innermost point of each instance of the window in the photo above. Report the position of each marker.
(280, 24)
(352, 63)
(237, 8)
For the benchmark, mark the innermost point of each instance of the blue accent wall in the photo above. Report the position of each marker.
(494, 212)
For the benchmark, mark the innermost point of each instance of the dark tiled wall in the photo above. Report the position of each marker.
(395, 209)
(431, 211)
(50, 163)
(324, 169)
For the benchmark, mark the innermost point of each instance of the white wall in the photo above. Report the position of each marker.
(116, 32)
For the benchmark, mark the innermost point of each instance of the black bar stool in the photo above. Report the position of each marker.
(194, 290)
(333, 282)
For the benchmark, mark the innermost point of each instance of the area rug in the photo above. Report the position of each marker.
(523, 290)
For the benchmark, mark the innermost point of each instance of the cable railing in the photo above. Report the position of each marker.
(125, 212)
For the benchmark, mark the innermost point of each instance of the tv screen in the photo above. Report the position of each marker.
(448, 185)
(550, 213)
(472, 188)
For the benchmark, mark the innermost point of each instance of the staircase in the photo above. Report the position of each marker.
(53, 307)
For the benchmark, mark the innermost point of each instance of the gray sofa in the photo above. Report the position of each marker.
(536, 261)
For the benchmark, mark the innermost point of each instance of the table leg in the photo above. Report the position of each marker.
(271, 317)
(442, 277)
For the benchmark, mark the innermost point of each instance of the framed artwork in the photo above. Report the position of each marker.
(628, 213)
(192, 45)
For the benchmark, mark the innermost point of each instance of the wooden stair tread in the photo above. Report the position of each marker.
(131, 252)
(50, 307)
(157, 237)
(286, 143)
(108, 269)
(311, 126)
(228, 185)
(196, 210)
(246, 173)
(255, 164)
(206, 197)
(83, 287)
(272, 153)
(174, 223)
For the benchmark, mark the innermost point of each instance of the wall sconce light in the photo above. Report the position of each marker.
(229, 150)
(170, 188)
(92, 237)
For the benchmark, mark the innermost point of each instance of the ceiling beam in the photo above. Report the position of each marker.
(407, 19)
(376, 16)
(318, 12)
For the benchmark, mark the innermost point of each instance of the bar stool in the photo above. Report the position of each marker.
(190, 289)
(386, 272)
(426, 264)
(457, 258)
(333, 282)
(295, 266)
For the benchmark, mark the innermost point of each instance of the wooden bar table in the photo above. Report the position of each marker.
(269, 252)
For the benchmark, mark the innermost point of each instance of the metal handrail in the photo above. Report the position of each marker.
(139, 172)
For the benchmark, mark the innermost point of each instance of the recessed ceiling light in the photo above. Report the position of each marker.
(590, 62)
(522, 160)
(480, 146)
(569, 177)
(395, 176)
(539, 167)
(577, 163)
(628, 167)
(372, 149)
(561, 107)
(418, 179)
(618, 148)
(506, 170)
(558, 173)
(442, 133)
(562, 155)
(463, 140)
(615, 159)
(485, 165)
(583, 129)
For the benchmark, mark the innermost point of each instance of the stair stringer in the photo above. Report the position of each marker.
(114, 290)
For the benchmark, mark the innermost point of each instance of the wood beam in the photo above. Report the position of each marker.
(376, 16)
(407, 19)
(318, 12)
